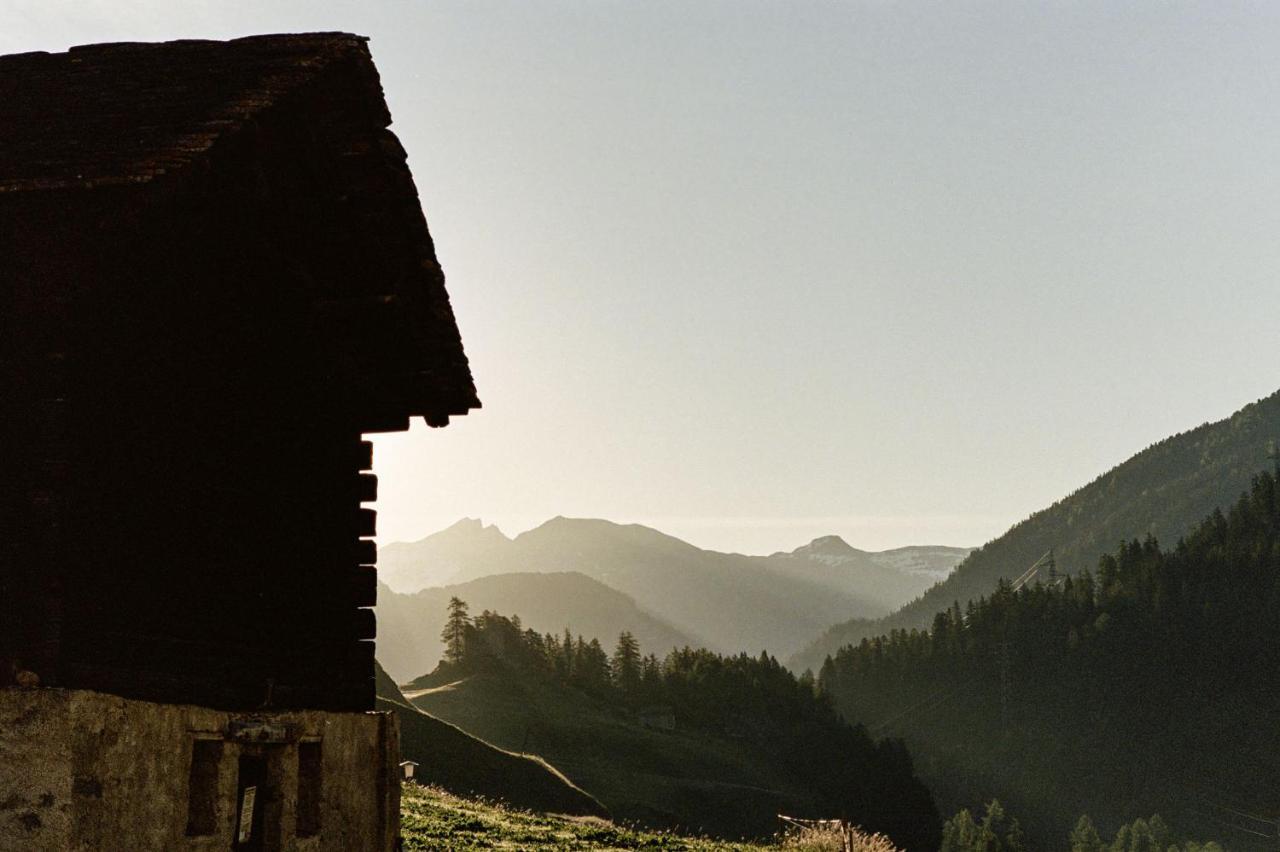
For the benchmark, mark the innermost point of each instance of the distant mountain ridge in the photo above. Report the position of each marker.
(890, 577)
(930, 560)
(1162, 491)
(441, 558)
(935, 562)
(824, 548)
(726, 602)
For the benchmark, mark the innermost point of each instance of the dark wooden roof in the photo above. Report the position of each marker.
(136, 116)
(127, 112)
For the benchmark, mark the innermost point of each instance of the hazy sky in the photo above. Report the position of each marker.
(756, 272)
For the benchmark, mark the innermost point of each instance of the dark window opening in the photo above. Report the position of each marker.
(202, 790)
(251, 797)
(309, 789)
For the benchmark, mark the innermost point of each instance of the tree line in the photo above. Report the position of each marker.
(1168, 488)
(750, 699)
(1146, 685)
(998, 831)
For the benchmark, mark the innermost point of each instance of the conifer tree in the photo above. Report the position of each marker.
(651, 678)
(807, 681)
(596, 666)
(454, 634)
(997, 832)
(1084, 837)
(961, 833)
(626, 663)
(566, 654)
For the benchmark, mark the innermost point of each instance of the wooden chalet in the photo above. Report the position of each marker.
(215, 278)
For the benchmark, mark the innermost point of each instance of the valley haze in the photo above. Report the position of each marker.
(597, 577)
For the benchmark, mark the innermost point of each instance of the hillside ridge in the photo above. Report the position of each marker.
(1163, 490)
(727, 602)
(409, 625)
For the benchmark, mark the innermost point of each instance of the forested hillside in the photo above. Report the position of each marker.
(1162, 491)
(695, 740)
(1148, 686)
(409, 625)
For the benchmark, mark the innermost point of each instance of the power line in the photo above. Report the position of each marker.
(1201, 792)
(1255, 817)
(1231, 825)
(1030, 574)
(1204, 791)
(943, 694)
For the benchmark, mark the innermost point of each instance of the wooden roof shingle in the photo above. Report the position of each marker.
(141, 114)
(106, 114)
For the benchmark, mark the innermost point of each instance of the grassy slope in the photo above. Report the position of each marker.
(432, 819)
(1164, 491)
(687, 780)
(457, 761)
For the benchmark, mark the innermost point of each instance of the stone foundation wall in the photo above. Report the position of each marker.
(84, 771)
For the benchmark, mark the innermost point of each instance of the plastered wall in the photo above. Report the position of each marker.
(82, 771)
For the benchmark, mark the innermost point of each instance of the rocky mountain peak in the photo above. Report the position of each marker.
(827, 545)
(472, 529)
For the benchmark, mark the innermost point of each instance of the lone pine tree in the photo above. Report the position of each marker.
(454, 634)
